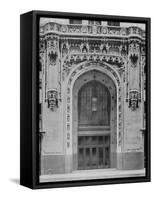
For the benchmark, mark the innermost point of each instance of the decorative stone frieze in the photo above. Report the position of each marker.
(71, 29)
(73, 60)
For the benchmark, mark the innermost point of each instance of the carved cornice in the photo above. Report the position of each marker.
(91, 30)
(69, 45)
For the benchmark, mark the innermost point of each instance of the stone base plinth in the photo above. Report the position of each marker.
(130, 160)
(52, 164)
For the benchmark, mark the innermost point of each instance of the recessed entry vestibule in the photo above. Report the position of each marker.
(94, 121)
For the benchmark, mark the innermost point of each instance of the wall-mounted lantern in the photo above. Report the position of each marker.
(52, 99)
(94, 104)
(133, 99)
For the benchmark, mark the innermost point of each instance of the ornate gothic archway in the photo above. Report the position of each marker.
(74, 75)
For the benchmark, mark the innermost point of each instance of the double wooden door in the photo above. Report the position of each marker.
(93, 126)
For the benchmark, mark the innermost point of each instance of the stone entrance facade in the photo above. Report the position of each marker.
(77, 56)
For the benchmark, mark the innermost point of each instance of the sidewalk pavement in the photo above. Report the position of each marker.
(92, 174)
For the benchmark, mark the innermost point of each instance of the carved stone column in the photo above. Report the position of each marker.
(132, 156)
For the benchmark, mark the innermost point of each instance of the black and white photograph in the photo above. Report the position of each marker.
(76, 100)
(92, 99)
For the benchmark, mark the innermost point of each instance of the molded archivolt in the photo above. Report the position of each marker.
(113, 84)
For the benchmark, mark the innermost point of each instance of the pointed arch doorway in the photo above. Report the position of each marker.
(94, 121)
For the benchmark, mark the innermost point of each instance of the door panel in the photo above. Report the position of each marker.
(93, 153)
(94, 157)
(87, 157)
(94, 104)
(101, 156)
(81, 157)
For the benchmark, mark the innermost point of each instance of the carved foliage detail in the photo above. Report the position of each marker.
(74, 59)
(52, 46)
(134, 58)
(134, 50)
(52, 57)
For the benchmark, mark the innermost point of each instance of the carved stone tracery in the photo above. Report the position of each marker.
(52, 47)
(73, 46)
(75, 59)
(74, 51)
(90, 66)
(134, 50)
